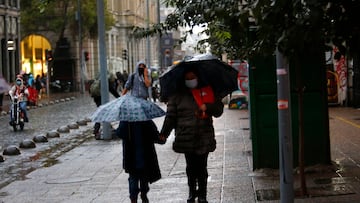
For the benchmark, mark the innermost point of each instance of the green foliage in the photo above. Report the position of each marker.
(243, 28)
(58, 15)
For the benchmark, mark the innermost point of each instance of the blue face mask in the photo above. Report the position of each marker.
(18, 82)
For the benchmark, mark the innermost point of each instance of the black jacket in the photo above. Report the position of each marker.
(192, 134)
(139, 154)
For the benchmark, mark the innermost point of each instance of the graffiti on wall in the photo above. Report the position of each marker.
(340, 68)
(337, 76)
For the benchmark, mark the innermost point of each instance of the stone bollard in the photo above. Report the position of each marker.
(52, 134)
(27, 144)
(11, 150)
(81, 122)
(73, 126)
(63, 129)
(40, 138)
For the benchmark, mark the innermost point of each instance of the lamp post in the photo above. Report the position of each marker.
(106, 135)
(148, 47)
(81, 58)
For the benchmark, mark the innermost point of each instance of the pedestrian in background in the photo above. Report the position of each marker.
(139, 156)
(138, 82)
(120, 82)
(125, 76)
(38, 85)
(1, 102)
(4, 87)
(95, 92)
(190, 112)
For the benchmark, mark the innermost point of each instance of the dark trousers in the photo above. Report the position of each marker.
(1, 100)
(97, 125)
(134, 180)
(196, 171)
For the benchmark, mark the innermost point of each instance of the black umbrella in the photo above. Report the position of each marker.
(219, 75)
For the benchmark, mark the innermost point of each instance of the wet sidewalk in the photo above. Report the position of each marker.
(92, 172)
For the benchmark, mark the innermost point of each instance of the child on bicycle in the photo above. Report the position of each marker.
(21, 91)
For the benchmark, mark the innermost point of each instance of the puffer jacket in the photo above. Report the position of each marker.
(192, 134)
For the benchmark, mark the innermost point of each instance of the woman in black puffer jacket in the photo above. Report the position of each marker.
(190, 113)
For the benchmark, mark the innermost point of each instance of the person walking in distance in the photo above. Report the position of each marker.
(138, 82)
(96, 95)
(190, 112)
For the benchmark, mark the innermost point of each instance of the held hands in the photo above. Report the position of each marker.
(201, 113)
(203, 108)
(161, 139)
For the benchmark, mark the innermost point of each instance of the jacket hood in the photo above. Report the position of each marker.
(138, 64)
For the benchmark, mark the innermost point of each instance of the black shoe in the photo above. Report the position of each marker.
(11, 123)
(26, 119)
(202, 200)
(192, 196)
(144, 198)
(191, 200)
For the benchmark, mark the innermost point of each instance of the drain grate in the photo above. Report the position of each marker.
(334, 180)
(247, 153)
(267, 194)
(325, 190)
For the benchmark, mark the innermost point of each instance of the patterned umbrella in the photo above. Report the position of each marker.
(127, 108)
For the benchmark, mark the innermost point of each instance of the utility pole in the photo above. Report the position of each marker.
(148, 46)
(106, 135)
(159, 36)
(285, 129)
(81, 54)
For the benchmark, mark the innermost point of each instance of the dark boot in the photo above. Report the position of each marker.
(192, 190)
(133, 200)
(96, 131)
(144, 198)
(202, 190)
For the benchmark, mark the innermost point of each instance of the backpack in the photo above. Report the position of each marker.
(95, 88)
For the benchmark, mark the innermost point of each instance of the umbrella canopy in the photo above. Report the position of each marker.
(219, 75)
(127, 108)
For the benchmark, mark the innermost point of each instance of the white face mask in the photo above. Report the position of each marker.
(191, 83)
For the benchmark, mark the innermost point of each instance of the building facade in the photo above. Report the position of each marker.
(123, 50)
(9, 37)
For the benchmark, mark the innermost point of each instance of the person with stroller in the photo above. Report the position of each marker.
(21, 91)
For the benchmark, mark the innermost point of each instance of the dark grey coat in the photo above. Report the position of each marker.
(192, 134)
(139, 154)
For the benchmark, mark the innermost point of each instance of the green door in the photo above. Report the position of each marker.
(264, 115)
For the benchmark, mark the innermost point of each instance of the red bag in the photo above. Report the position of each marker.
(202, 96)
(32, 98)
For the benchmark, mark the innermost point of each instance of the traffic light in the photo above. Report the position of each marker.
(49, 55)
(124, 54)
(86, 55)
